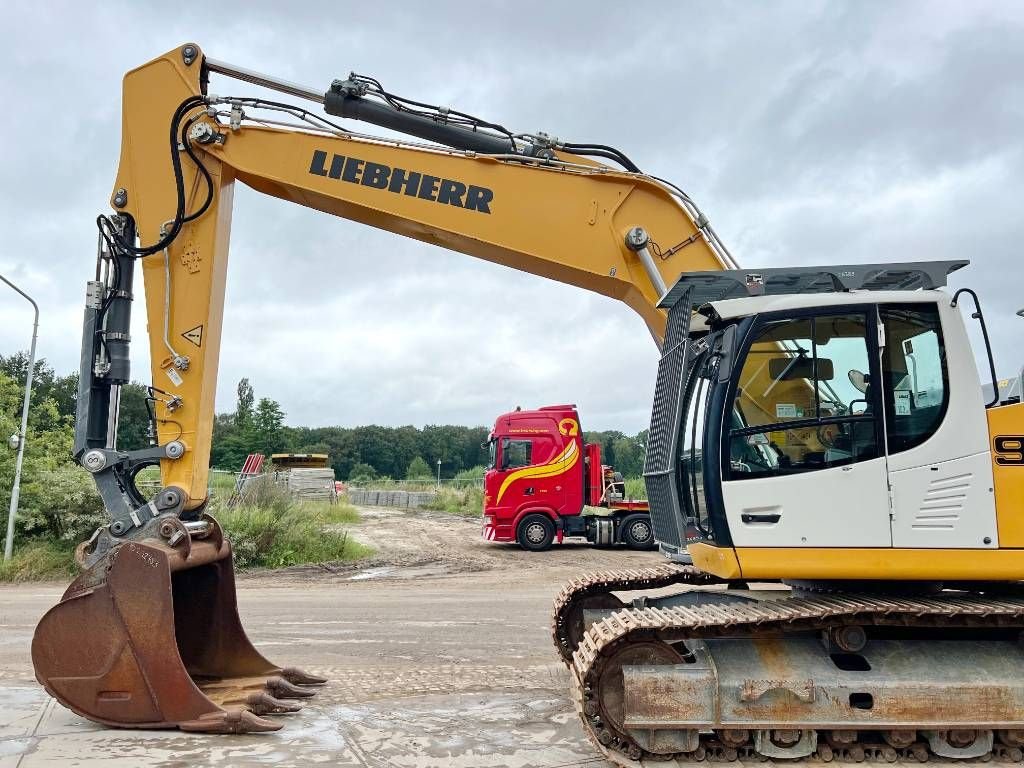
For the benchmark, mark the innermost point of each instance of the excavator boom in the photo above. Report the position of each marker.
(156, 597)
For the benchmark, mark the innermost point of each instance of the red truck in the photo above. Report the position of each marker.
(544, 483)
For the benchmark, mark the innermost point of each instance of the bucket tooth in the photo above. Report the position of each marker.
(265, 704)
(281, 688)
(149, 637)
(301, 677)
(230, 721)
(258, 701)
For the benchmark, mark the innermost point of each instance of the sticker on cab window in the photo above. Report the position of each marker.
(902, 402)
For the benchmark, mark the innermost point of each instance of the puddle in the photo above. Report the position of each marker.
(401, 572)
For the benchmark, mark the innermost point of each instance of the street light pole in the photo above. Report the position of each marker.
(439, 474)
(16, 488)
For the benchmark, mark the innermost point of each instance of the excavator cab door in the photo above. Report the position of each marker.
(803, 461)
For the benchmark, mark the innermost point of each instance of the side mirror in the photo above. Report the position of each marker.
(859, 380)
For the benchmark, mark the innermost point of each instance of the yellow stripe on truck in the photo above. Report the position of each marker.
(563, 462)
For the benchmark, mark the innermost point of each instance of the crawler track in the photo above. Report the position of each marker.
(754, 619)
(584, 592)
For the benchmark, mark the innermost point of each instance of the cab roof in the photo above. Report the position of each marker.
(722, 285)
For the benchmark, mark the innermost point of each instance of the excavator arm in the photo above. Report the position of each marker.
(149, 635)
(526, 203)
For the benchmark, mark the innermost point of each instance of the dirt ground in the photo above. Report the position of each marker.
(438, 652)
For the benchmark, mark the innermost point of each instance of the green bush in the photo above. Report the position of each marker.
(362, 473)
(466, 502)
(418, 470)
(39, 559)
(474, 476)
(635, 488)
(62, 504)
(278, 532)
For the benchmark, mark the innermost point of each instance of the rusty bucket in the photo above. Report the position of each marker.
(148, 636)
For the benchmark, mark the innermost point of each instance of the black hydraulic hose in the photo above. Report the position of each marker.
(179, 217)
(602, 150)
(202, 170)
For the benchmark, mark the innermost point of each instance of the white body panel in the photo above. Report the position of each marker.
(837, 507)
(942, 488)
(948, 505)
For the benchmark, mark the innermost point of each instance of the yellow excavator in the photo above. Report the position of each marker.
(818, 433)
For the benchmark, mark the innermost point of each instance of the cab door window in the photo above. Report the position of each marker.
(800, 401)
(516, 453)
(914, 375)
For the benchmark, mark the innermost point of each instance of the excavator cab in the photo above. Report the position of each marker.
(794, 406)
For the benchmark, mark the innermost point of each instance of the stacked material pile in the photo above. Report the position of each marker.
(397, 499)
(312, 484)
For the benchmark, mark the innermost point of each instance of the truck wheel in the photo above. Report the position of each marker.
(535, 532)
(637, 532)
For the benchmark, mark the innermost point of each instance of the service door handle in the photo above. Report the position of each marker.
(770, 518)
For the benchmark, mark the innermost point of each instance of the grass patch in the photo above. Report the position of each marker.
(465, 502)
(39, 560)
(268, 529)
(268, 538)
(334, 514)
(274, 533)
(635, 488)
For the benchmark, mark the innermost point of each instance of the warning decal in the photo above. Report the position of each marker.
(195, 335)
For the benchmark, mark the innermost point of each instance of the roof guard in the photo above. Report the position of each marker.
(773, 281)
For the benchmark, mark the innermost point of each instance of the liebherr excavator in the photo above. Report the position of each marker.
(882, 499)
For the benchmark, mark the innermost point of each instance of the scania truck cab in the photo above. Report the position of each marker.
(544, 483)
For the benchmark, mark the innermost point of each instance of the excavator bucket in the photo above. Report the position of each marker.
(148, 636)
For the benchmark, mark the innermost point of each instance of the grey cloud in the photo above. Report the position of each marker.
(809, 132)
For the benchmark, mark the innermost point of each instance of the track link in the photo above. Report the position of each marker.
(567, 617)
(792, 614)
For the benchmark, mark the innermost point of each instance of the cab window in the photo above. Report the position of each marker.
(915, 378)
(516, 453)
(800, 402)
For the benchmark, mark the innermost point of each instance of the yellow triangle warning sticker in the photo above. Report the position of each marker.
(195, 335)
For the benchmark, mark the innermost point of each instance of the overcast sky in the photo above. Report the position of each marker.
(808, 132)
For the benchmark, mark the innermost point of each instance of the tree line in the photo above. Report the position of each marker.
(257, 426)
